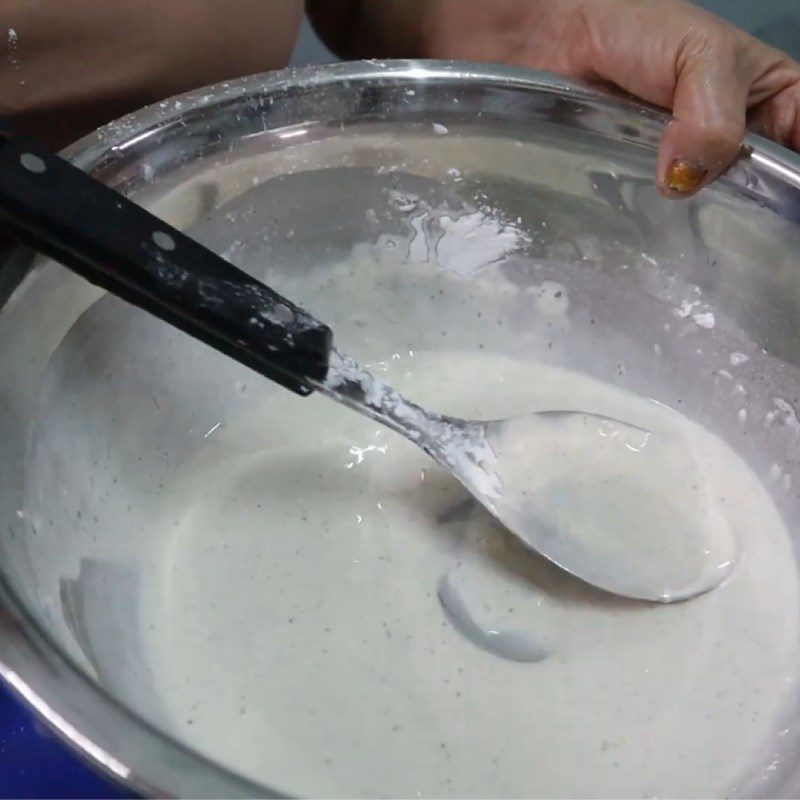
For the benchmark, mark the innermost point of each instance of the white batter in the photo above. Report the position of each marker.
(301, 639)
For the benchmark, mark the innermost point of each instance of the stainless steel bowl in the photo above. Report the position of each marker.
(574, 167)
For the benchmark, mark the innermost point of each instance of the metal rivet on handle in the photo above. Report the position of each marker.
(163, 240)
(32, 163)
(284, 313)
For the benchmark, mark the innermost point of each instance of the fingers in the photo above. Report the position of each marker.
(778, 117)
(714, 77)
(709, 118)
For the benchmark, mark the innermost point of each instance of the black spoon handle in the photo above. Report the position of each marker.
(57, 209)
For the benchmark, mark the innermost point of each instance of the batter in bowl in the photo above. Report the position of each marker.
(301, 638)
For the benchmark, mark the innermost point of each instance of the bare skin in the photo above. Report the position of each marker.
(717, 80)
(75, 65)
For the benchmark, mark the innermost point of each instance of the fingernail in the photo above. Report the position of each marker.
(685, 176)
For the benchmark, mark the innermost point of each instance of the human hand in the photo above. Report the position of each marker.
(717, 80)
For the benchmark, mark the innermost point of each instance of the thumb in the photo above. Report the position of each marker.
(709, 120)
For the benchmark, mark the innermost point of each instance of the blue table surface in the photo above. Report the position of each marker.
(34, 764)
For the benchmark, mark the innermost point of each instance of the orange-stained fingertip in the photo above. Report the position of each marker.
(684, 177)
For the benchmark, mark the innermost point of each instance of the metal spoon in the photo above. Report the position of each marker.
(481, 456)
(56, 208)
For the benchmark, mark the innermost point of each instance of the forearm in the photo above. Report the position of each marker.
(71, 65)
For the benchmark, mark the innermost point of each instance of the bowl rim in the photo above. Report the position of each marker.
(32, 665)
